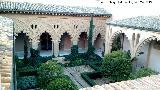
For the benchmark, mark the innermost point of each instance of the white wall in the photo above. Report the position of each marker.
(126, 44)
(154, 62)
(142, 59)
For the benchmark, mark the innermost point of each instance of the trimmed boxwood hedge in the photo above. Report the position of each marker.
(88, 76)
(87, 79)
(27, 82)
(94, 67)
(27, 73)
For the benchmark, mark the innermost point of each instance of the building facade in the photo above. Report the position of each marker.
(140, 35)
(55, 28)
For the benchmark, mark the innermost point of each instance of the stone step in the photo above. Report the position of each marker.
(5, 79)
(4, 74)
(6, 85)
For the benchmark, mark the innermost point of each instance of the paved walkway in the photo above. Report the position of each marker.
(75, 74)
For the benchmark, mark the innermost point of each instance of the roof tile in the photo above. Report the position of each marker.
(38, 7)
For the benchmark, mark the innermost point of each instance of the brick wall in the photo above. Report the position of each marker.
(6, 47)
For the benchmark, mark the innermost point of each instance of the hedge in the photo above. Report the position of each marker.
(95, 67)
(27, 71)
(86, 77)
(61, 84)
(27, 82)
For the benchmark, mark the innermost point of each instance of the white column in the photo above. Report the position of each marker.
(74, 42)
(93, 41)
(52, 47)
(56, 48)
(35, 44)
(107, 48)
(149, 53)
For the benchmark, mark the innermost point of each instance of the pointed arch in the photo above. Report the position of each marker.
(82, 42)
(65, 44)
(99, 44)
(126, 44)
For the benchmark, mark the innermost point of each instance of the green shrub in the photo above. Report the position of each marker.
(61, 84)
(87, 78)
(27, 71)
(71, 57)
(34, 53)
(96, 67)
(74, 54)
(90, 50)
(76, 62)
(19, 62)
(83, 56)
(36, 61)
(143, 72)
(116, 43)
(116, 66)
(74, 50)
(49, 71)
(27, 82)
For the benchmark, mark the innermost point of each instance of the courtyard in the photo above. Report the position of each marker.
(55, 47)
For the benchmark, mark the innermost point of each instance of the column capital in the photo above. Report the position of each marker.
(35, 45)
(55, 41)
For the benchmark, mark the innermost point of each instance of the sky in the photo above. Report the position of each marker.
(118, 10)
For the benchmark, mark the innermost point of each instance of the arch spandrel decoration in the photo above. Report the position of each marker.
(65, 27)
(45, 28)
(46, 23)
(21, 26)
(99, 28)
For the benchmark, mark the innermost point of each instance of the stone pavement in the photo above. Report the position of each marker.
(144, 83)
(75, 74)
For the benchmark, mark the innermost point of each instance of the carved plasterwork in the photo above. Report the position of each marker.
(35, 25)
